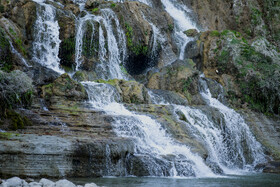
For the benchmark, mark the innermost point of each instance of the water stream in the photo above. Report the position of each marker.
(111, 50)
(162, 153)
(179, 13)
(230, 144)
(46, 40)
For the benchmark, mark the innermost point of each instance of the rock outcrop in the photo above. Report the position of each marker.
(47, 127)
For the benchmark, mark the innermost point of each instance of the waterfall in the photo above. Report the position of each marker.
(179, 13)
(230, 144)
(46, 40)
(157, 39)
(238, 147)
(111, 50)
(166, 156)
(18, 55)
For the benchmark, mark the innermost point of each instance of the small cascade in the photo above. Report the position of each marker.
(111, 49)
(18, 55)
(231, 146)
(46, 40)
(179, 13)
(108, 161)
(157, 39)
(165, 156)
(238, 147)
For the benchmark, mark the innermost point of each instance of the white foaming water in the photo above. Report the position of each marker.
(46, 42)
(231, 145)
(112, 49)
(239, 148)
(157, 38)
(149, 136)
(179, 12)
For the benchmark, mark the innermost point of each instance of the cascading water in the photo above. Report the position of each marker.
(46, 40)
(231, 145)
(238, 148)
(166, 156)
(157, 38)
(179, 13)
(111, 50)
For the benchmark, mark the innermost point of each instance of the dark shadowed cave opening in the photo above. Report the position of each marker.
(138, 64)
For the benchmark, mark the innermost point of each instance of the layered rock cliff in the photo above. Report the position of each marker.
(48, 49)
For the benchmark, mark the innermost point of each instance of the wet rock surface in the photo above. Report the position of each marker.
(66, 138)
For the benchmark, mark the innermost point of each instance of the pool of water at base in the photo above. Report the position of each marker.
(265, 180)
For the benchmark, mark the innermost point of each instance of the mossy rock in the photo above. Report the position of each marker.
(191, 33)
(131, 91)
(66, 87)
(253, 66)
(80, 76)
(5, 135)
(6, 63)
(16, 89)
(16, 121)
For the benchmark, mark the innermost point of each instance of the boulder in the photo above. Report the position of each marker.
(16, 88)
(272, 167)
(64, 87)
(130, 91)
(74, 8)
(93, 3)
(63, 183)
(14, 182)
(47, 183)
(91, 185)
(180, 77)
(191, 33)
(35, 184)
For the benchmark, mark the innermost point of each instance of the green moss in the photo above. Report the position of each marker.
(67, 52)
(171, 27)
(18, 41)
(95, 10)
(113, 5)
(256, 16)
(255, 73)
(5, 55)
(5, 135)
(90, 46)
(48, 91)
(112, 82)
(123, 69)
(137, 49)
(16, 120)
(215, 33)
(80, 76)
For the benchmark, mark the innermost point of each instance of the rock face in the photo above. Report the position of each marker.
(53, 132)
(16, 89)
(62, 141)
(180, 77)
(130, 91)
(248, 73)
(65, 87)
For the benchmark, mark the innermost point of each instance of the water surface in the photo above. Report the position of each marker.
(265, 180)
